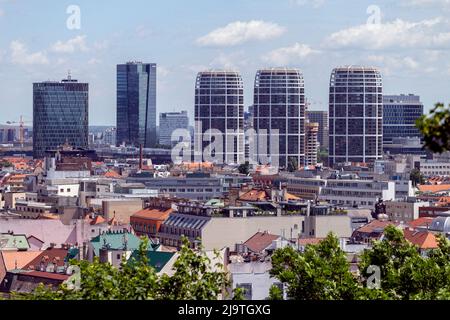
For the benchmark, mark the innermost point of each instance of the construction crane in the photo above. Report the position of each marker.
(21, 123)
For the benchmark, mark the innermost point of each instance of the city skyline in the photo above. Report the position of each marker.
(409, 47)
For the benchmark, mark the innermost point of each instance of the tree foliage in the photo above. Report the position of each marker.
(292, 164)
(319, 273)
(416, 177)
(435, 128)
(244, 168)
(193, 279)
(322, 272)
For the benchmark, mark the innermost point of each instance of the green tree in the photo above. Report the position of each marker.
(292, 164)
(405, 274)
(322, 155)
(244, 168)
(321, 272)
(137, 280)
(435, 128)
(416, 177)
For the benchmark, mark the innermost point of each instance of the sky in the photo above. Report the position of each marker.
(409, 40)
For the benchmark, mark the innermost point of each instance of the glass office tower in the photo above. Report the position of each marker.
(355, 115)
(219, 105)
(279, 104)
(136, 104)
(60, 115)
(400, 113)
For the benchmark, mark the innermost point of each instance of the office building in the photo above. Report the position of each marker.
(219, 108)
(60, 115)
(312, 143)
(355, 114)
(168, 123)
(279, 112)
(320, 117)
(400, 113)
(136, 104)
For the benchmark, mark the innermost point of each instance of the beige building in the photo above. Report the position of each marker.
(312, 144)
(121, 209)
(404, 211)
(10, 199)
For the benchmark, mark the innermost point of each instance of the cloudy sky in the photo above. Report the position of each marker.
(408, 39)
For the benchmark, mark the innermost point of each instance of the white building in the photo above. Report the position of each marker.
(353, 192)
(433, 168)
(168, 123)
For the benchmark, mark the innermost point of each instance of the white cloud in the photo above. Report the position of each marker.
(101, 45)
(426, 3)
(230, 61)
(71, 45)
(94, 61)
(20, 55)
(393, 64)
(239, 32)
(143, 32)
(313, 3)
(162, 71)
(398, 33)
(285, 55)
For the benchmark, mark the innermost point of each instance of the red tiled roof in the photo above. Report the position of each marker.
(254, 195)
(421, 239)
(98, 220)
(259, 241)
(18, 259)
(53, 255)
(374, 226)
(306, 241)
(112, 174)
(420, 222)
(47, 275)
(153, 214)
(434, 187)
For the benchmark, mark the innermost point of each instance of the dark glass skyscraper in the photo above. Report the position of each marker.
(136, 104)
(60, 115)
(219, 105)
(279, 106)
(355, 115)
(400, 113)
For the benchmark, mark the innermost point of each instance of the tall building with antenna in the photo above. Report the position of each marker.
(60, 115)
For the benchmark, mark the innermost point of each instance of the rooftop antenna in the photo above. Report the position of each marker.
(69, 75)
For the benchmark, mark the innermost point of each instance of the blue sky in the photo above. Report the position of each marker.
(410, 42)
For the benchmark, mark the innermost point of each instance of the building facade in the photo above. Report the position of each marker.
(168, 123)
(312, 143)
(136, 104)
(219, 109)
(356, 115)
(400, 113)
(279, 112)
(320, 117)
(60, 115)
